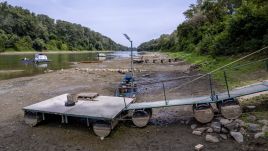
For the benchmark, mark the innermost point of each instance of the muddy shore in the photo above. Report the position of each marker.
(168, 129)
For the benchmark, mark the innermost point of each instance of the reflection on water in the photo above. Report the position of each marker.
(11, 63)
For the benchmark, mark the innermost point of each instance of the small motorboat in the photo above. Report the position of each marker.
(40, 58)
(101, 55)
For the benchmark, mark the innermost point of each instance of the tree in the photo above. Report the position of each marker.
(39, 44)
(24, 44)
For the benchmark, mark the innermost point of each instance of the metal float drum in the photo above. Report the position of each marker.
(230, 109)
(102, 129)
(140, 118)
(203, 114)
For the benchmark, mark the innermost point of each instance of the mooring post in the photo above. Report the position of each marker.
(211, 88)
(164, 93)
(226, 82)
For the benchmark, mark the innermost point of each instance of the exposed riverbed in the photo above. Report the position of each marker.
(169, 128)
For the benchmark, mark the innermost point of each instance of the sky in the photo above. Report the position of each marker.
(142, 20)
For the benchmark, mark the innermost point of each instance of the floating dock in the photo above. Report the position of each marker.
(104, 112)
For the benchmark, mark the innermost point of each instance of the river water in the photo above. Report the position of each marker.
(11, 65)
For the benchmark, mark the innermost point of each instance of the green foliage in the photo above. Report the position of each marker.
(221, 27)
(53, 45)
(43, 32)
(39, 44)
(24, 44)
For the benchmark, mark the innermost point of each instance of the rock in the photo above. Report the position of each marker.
(201, 129)
(258, 135)
(216, 126)
(224, 130)
(264, 122)
(223, 136)
(243, 131)
(264, 128)
(187, 122)
(193, 126)
(253, 127)
(237, 136)
(240, 122)
(251, 118)
(199, 147)
(209, 130)
(251, 107)
(234, 126)
(212, 139)
(197, 133)
(224, 121)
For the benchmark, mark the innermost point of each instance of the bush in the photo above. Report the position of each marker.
(24, 44)
(39, 44)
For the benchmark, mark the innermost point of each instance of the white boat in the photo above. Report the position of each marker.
(40, 58)
(101, 55)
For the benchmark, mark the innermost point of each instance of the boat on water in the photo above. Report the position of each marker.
(101, 55)
(40, 58)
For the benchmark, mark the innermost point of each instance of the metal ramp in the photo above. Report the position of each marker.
(251, 89)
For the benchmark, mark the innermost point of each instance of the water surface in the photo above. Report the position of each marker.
(11, 65)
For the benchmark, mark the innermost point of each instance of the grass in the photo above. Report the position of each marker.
(237, 76)
(261, 110)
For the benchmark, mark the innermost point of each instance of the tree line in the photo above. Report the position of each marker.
(22, 30)
(217, 27)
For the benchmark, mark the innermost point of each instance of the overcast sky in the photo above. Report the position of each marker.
(142, 20)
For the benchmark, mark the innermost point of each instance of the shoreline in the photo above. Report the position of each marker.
(50, 52)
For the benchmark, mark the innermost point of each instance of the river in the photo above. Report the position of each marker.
(11, 65)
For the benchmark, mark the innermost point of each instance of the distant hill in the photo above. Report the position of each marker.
(217, 27)
(22, 30)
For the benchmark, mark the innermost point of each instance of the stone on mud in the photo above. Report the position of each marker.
(259, 135)
(264, 128)
(216, 126)
(251, 118)
(224, 130)
(212, 139)
(264, 122)
(253, 127)
(237, 136)
(243, 131)
(209, 130)
(223, 136)
(193, 126)
(197, 133)
(201, 129)
(224, 121)
(240, 122)
(234, 126)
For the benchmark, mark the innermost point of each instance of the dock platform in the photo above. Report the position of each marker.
(101, 107)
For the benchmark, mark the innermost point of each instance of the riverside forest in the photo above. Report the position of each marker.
(22, 30)
(221, 27)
